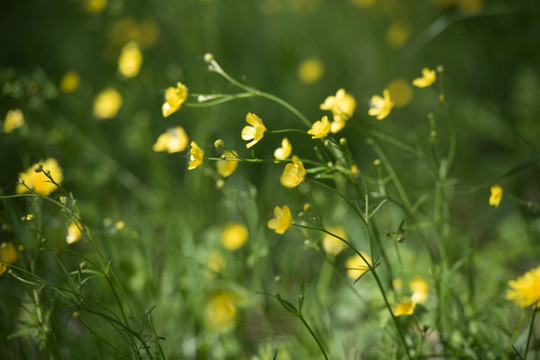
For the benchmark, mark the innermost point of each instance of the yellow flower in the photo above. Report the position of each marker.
(107, 103)
(381, 106)
(254, 132)
(215, 264)
(525, 290)
(320, 128)
(419, 288)
(228, 165)
(94, 6)
(220, 311)
(496, 195)
(38, 181)
(405, 307)
(342, 105)
(69, 82)
(293, 174)
(130, 60)
(398, 34)
(356, 266)
(311, 70)
(73, 232)
(8, 253)
(397, 284)
(174, 98)
(400, 91)
(14, 120)
(282, 220)
(234, 236)
(195, 156)
(284, 151)
(337, 125)
(173, 140)
(331, 244)
(428, 78)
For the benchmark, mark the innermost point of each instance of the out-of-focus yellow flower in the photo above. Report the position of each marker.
(38, 181)
(8, 253)
(293, 174)
(221, 312)
(174, 98)
(401, 92)
(420, 289)
(525, 291)
(397, 284)
(428, 78)
(470, 6)
(215, 264)
(342, 106)
(283, 152)
(228, 165)
(405, 307)
(398, 35)
(234, 236)
(14, 120)
(333, 245)
(496, 195)
(107, 103)
(120, 225)
(363, 3)
(148, 33)
(173, 140)
(70, 82)
(320, 128)
(196, 155)
(73, 232)
(310, 70)
(3, 268)
(130, 60)
(94, 6)
(381, 106)
(282, 220)
(356, 266)
(255, 132)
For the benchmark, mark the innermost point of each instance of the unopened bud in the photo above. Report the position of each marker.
(343, 142)
(219, 143)
(38, 168)
(208, 57)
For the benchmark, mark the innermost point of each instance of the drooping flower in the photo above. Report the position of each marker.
(107, 103)
(331, 244)
(496, 195)
(428, 78)
(381, 106)
(14, 120)
(130, 60)
(196, 155)
(69, 82)
(310, 70)
(283, 152)
(282, 220)
(228, 165)
(320, 128)
(73, 232)
(221, 311)
(174, 98)
(293, 174)
(255, 132)
(419, 288)
(356, 266)
(173, 140)
(38, 180)
(342, 106)
(405, 307)
(525, 291)
(234, 236)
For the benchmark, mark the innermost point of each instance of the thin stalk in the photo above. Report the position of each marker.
(531, 327)
(313, 335)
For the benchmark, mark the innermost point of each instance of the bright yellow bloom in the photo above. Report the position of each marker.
(73, 232)
(401, 92)
(14, 120)
(234, 236)
(311, 70)
(419, 288)
(174, 98)
(130, 60)
(69, 82)
(196, 155)
(284, 151)
(398, 34)
(356, 266)
(293, 174)
(221, 312)
(254, 132)
(107, 103)
(282, 220)
(428, 78)
(228, 165)
(342, 106)
(333, 245)
(215, 264)
(381, 106)
(173, 140)
(405, 307)
(496, 195)
(120, 225)
(320, 128)
(94, 6)
(38, 181)
(525, 291)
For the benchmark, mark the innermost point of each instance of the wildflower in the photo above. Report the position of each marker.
(525, 291)
(428, 78)
(398, 34)
(401, 92)
(496, 195)
(405, 307)
(8, 253)
(397, 284)
(227, 166)
(381, 106)
(173, 140)
(234, 236)
(73, 232)
(333, 245)
(215, 264)
(14, 120)
(356, 266)
(282, 220)
(221, 312)
(293, 174)
(38, 180)
(254, 132)
(310, 70)
(284, 151)
(195, 156)
(320, 128)
(107, 103)
(419, 288)
(94, 6)
(130, 60)
(120, 225)
(69, 82)
(174, 98)
(342, 106)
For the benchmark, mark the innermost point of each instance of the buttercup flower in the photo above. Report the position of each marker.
(525, 291)
(234, 236)
(381, 106)
(130, 60)
(356, 266)
(428, 78)
(293, 174)
(254, 132)
(69, 82)
(73, 232)
(401, 92)
(8, 253)
(38, 181)
(320, 128)
(14, 120)
(331, 244)
(174, 98)
(282, 220)
(342, 106)
(310, 70)
(405, 307)
(215, 264)
(221, 312)
(196, 155)
(496, 195)
(419, 288)
(284, 151)
(107, 103)
(398, 34)
(227, 166)
(173, 140)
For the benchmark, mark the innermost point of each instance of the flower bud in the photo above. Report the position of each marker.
(208, 57)
(219, 144)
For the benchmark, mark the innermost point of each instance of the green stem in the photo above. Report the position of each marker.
(313, 335)
(531, 327)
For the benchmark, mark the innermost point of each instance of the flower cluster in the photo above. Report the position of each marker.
(419, 288)
(342, 106)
